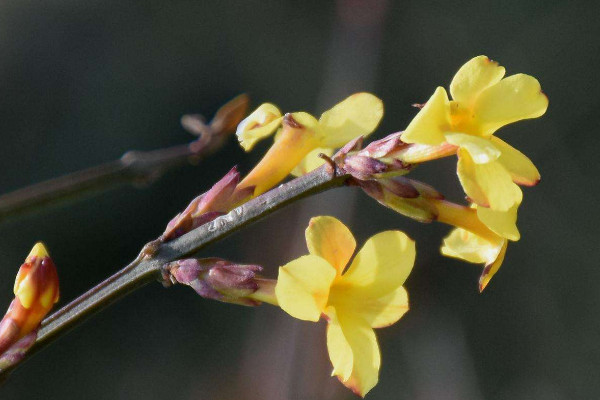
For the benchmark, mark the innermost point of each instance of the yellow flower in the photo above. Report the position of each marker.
(481, 236)
(368, 294)
(302, 137)
(483, 101)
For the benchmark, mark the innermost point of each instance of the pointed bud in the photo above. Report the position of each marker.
(36, 291)
(219, 200)
(215, 279)
(374, 161)
(392, 148)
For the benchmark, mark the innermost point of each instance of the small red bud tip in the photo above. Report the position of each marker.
(36, 291)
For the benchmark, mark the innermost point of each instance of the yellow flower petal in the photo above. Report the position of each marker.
(357, 115)
(490, 270)
(353, 351)
(482, 150)
(294, 141)
(381, 266)
(258, 125)
(312, 161)
(331, 240)
(38, 251)
(503, 223)
(303, 286)
(474, 76)
(487, 184)
(520, 168)
(469, 247)
(512, 99)
(379, 312)
(390, 308)
(304, 120)
(429, 125)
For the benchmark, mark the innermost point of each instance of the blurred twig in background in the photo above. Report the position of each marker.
(134, 167)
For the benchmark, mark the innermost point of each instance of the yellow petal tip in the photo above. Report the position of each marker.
(38, 251)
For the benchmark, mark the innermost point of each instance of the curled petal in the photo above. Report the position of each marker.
(474, 76)
(303, 287)
(490, 269)
(353, 351)
(512, 99)
(431, 122)
(357, 115)
(470, 247)
(502, 223)
(294, 141)
(258, 125)
(489, 184)
(381, 266)
(520, 168)
(331, 240)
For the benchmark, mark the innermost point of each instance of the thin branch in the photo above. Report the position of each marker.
(144, 270)
(135, 167)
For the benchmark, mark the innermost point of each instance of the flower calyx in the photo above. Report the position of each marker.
(215, 279)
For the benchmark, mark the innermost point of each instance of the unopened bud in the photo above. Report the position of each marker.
(215, 279)
(219, 200)
(36, 291)
(374, 161)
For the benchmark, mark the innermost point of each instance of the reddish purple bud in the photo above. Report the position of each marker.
(364, 168)
(384, 147)
(215, 278)
(353, 145)
(219, 200)
(374, 161)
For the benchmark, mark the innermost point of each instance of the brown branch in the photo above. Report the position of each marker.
(144, 270)
(135, 167)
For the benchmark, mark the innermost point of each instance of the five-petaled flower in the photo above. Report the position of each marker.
(301, 137)
(353, 299)
(488, 167)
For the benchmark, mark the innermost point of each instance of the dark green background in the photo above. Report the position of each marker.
(83, 82)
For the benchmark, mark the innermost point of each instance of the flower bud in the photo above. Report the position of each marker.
(393, 148)
(215, 279)
(219, 200)
(374, 161)
(36, 291)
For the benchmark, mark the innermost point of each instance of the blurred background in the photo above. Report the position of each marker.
(81, 83)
